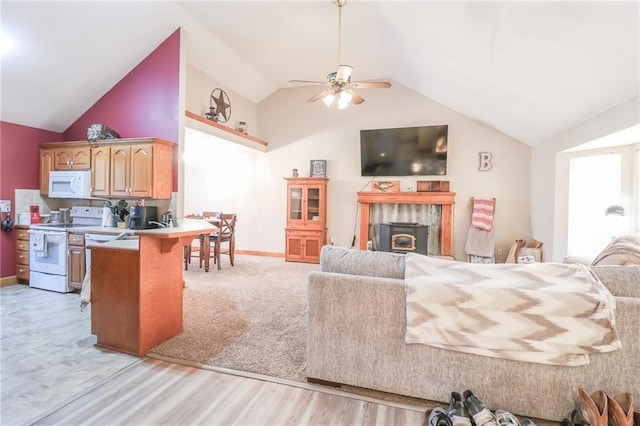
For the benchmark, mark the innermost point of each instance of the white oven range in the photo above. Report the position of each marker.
(48, 249)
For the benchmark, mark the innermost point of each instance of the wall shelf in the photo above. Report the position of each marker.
(214, 128)
(444, 199)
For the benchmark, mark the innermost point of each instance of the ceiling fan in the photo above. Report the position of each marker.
(339, 82)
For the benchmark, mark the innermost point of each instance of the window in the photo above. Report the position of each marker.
(595, 183)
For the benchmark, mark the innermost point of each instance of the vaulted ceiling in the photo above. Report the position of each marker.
(528, 69)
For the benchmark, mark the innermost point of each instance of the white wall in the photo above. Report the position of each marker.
(252, 183)
(198, 93)
(549, 175)
(299, 132)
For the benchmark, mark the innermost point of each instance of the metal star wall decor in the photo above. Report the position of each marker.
(222, 106)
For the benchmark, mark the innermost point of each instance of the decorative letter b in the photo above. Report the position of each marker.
(485, 161)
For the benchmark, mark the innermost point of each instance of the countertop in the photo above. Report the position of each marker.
(187, 227)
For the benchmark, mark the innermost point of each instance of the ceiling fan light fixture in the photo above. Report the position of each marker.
(345, 96)
(328, 99)
(344, 99)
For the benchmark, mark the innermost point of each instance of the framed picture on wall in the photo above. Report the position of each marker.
(318, 168)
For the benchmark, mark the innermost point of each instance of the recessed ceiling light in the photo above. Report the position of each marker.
(6, 44)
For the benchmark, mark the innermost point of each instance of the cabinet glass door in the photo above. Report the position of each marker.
(313, 204)
(295, 203)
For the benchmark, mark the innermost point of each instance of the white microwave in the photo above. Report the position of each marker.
(70, 184)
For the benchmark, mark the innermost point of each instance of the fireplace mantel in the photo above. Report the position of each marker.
(444, 199)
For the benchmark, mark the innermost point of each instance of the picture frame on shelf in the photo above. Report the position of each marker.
(318, 168)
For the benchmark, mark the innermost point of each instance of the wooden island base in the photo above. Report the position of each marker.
(136, 288)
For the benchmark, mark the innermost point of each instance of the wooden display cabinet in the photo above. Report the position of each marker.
(306, 230)
(76, 262)
(22, 253)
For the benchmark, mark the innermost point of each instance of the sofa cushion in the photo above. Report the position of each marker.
(358, 262)
(622, 281)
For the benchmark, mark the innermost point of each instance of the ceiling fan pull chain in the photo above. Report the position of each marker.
(340, 4)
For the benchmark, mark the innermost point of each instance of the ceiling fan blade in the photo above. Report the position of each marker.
(308, 82)
(355, 98)
(344, 72)
(371, 84)
(319, 95)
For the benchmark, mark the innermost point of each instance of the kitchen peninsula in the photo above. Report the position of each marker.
(136, 287)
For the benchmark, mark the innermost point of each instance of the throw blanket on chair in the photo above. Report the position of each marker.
(548, 313)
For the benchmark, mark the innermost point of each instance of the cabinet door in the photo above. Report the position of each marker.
(62, 158)
(81, 158)
(294, 247)
(312, 246)
(141, 171)
(295, 204)
(46, 165)
(100, 166)
(76, 266)
(120, 170)
(314, 198)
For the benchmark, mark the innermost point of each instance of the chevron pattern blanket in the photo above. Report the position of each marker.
(548, 313)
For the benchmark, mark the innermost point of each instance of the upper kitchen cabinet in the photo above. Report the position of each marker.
(124, 168)
(46, 165)
(101, 171)
(72, 158)
(142, 169)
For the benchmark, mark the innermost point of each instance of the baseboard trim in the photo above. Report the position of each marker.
(260, 253)
(7, 281)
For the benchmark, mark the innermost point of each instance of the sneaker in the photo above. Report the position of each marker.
(479, 411)
(457, 411)
(529, 422)
(505, 418)
(437, 417)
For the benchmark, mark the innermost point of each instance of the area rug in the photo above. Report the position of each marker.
(249, 317)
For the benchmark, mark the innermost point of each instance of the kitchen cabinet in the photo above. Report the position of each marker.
(76, 261)
(22, 253)
(142, 170)
(72, 158)
(46, 165)
(123, 168)
(306, 228)
(101, 171)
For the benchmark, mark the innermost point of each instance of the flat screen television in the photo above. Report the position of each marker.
(405, 151)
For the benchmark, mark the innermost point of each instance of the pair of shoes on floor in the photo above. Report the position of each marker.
(437, 417)
(478, 410)
(601, 409)
(461, 413)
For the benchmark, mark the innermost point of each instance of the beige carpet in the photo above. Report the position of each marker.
(252, 318)
(249, 317)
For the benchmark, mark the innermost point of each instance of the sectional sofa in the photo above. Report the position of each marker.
(356, 326)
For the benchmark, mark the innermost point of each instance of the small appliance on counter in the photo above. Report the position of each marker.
(140, 217)
(108, 218)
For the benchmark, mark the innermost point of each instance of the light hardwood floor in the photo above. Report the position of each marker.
(51, 373)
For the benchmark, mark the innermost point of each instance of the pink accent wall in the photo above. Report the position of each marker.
(19, 169)
(144, 103)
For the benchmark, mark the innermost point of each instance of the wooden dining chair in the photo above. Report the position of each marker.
(225, 235)
(192, 250)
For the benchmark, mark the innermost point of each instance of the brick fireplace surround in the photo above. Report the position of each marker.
(444, 199)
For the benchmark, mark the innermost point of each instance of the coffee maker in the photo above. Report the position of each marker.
(140, 217)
